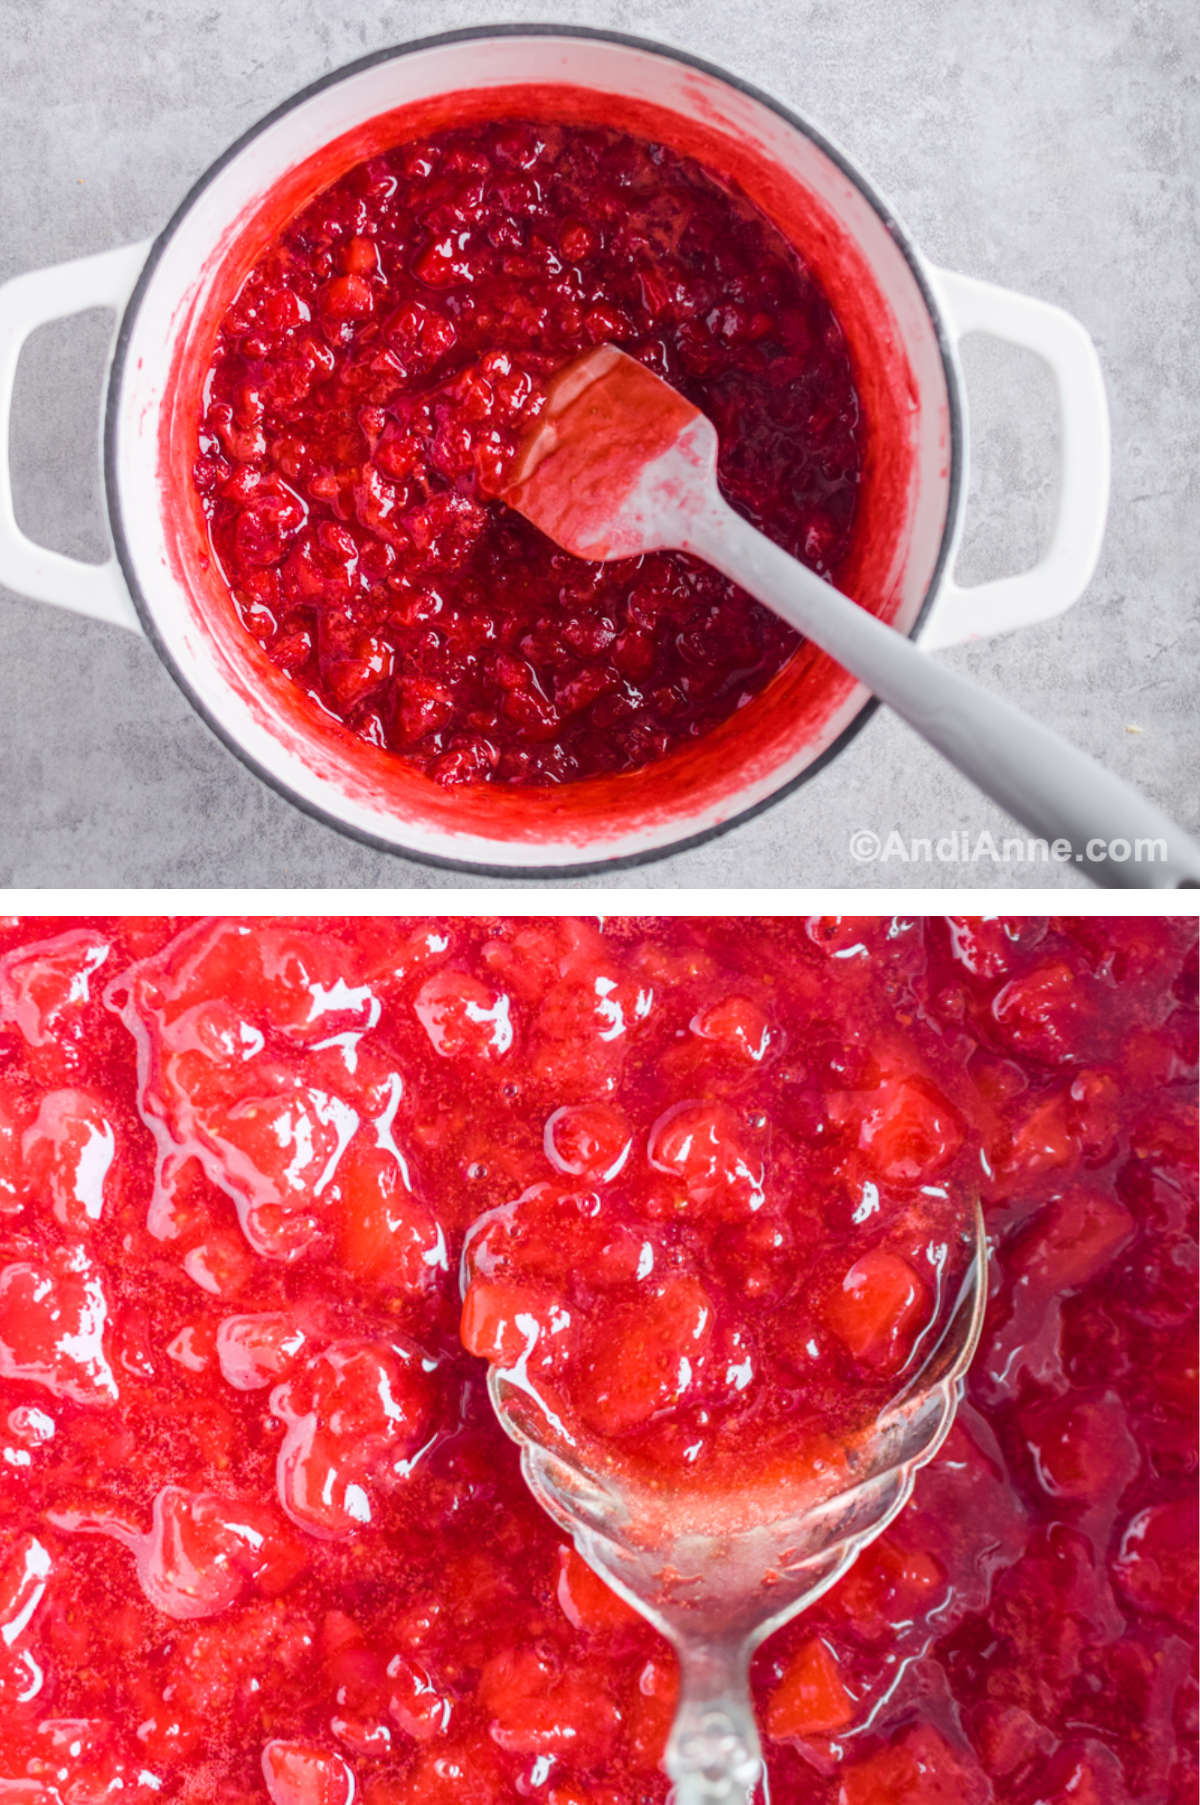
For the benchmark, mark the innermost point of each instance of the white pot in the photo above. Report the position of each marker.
(903, 320)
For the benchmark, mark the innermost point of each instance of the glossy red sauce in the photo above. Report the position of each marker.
(729, 1272)
(260, 1538)
(369, 387)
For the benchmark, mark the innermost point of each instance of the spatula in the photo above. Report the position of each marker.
(619, 464)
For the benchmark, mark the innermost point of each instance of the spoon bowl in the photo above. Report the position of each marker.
(716, 1572)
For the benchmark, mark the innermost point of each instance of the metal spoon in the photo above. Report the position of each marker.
(619, 464)
(716, 1573)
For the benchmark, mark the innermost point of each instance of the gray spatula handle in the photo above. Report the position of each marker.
(1045, 783)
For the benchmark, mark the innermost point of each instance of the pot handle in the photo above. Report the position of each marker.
(27, 302)
(1061, 575)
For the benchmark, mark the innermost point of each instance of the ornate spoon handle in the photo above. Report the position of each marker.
(713, 1754)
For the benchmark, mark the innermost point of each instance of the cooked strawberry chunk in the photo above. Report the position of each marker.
(589, 1140)
(984, 945)
(76, 1761)
(878, 1308)
(922, 1766)
(908, 1130)
(25, 1570)
(1082, 1448)
(54, 1328)
(463, 1017)
(503, 1323)
(13, 1111)
(69, 1153)
(465, 1774)
(1041, 1013)
(1074, 1238)
(384, 1232)
(646, 1356)
(254, 1350)
(220, 1264)
(1042, 1139)
(809, 1698)
(704, 1146)
(420, 1708)
(202, 1551)
(46, 993)
(589, 1603)
(537, 1709)
(736, 1025)
(300, 1773)
(279, 1154)
(355, 1416)
(1156, 1563)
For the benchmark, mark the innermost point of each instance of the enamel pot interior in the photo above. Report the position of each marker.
(905, 377)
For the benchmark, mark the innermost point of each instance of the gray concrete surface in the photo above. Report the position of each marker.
(1052, 145)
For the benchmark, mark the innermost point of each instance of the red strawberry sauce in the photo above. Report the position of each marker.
(260, 1537)
(368, 390)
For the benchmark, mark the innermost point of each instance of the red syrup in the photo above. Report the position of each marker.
(260, 1536)
(368, 391)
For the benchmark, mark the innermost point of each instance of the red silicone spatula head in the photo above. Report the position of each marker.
(614, 461)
